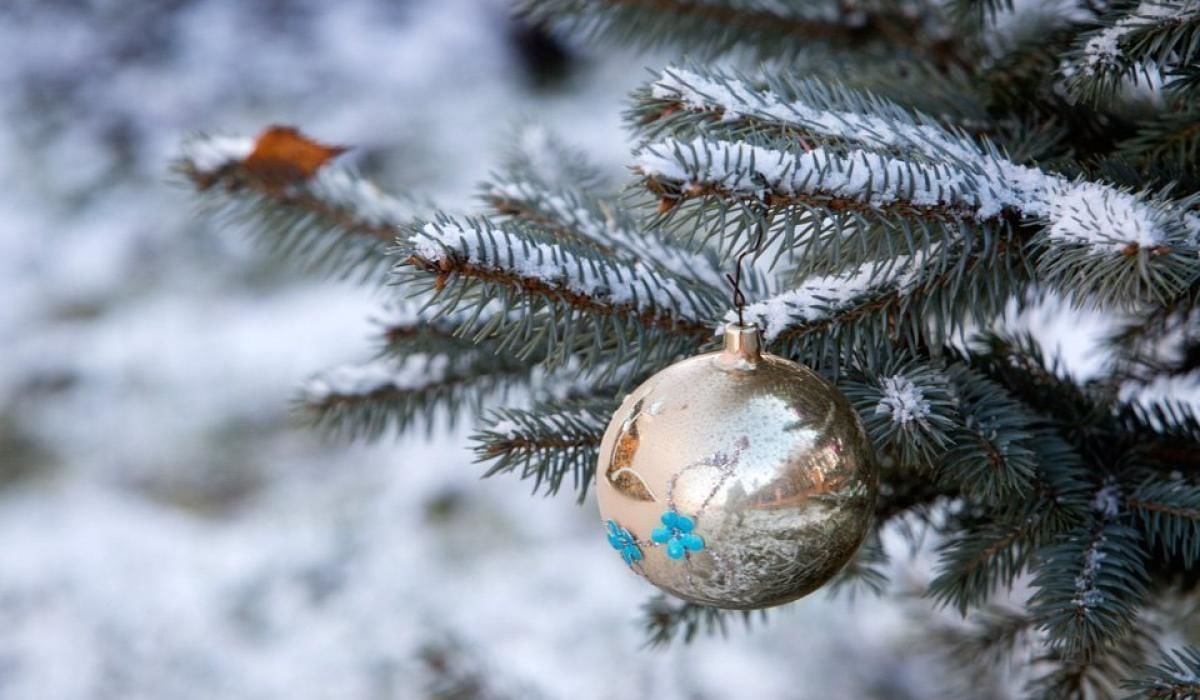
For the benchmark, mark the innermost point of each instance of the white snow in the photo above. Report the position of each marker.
(1103, 51)
(902, 400)
(209, 153)
(1107, 501)
(368, 203)
(616, 282)
(1078, 212)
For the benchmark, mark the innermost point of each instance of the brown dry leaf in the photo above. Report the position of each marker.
(283, 156)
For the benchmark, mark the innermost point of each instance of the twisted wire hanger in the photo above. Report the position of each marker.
(735, 280)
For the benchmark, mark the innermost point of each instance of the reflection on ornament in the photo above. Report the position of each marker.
(757, 469)
(618, 473)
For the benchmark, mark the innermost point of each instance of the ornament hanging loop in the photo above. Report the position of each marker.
(735, 280)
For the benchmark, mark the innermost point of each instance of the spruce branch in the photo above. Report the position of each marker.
(1162, 436)
(1184, 81)
(1169, 142)
(991, 544)
(539, 155)
(1018, 363)
(1168, 514)
(980, 648)
(572, 302)
(974, 13)
(911, 302)
(334, 223)
(365, 401)
(691, 100)
(1098, 675)
(1090, 583)
(1096, 243)
(665, 620)
(992, 457)
(977, 560)
(717, 26)
(1175, 677)
(411, 328)
(907, 408)
(1139, 44)
(566, 197)
(546, 443)
(864, 573)
(603, 225)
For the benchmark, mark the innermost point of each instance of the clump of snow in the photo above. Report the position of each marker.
(902, 400)
(634, 284)
(1103, 51)
(1107, 500)
(1086, 210)
(352, 193)
(208, 154)
(1087, 593)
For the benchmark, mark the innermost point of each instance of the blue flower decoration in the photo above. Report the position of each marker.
(623, 542)
(676, 533)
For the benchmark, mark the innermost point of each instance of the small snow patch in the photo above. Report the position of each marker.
(210, 153)
(902, 400)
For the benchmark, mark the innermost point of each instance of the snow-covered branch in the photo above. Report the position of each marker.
(1099, 243)
(334, 221)
(1102, 217)
(768, 28)
(571, 302)
(580, 217)
(822, 300)
(809, 110)
(1137, 48)
(505, 255)
(1089, 586)
(392, 393)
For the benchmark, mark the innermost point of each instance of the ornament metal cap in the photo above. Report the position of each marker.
(743, 347)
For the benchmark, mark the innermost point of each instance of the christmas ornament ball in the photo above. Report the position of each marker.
(737, 478)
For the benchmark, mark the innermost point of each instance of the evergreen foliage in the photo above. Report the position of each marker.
(914, 170)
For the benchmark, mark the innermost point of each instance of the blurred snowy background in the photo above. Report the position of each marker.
(165, 532)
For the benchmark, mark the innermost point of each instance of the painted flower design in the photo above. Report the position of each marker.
(623, 542)
(676, 534)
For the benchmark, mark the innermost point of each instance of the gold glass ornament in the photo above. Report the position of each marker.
(736, 478)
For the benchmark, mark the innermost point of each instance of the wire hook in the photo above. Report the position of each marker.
(739, 298)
